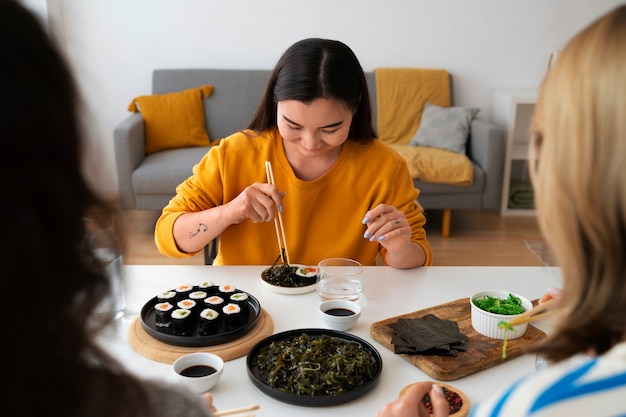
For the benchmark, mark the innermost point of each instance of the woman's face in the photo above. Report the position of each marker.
(313, 130)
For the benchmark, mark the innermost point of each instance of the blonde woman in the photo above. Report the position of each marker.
(578, 154)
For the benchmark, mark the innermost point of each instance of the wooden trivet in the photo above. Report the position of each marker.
(154, 349)
(482, 352)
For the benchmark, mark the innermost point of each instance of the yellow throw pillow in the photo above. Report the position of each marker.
(173, 120)
(437, 165)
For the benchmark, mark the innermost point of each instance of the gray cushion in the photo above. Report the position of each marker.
(162, 172)
(444, 128)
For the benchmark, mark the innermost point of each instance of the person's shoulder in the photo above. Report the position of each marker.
(248, 139)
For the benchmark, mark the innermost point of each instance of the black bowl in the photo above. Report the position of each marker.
(305, 400)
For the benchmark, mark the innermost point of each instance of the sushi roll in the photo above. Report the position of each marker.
(187, 304)
(198, 297)
(209, 322)
(233, 317)
(182, 322)
(241, 299)
(307, 275)
(215, 302)
(182, 291)
(167, 297)
(209, 287)
(163, 316)
(227, 290)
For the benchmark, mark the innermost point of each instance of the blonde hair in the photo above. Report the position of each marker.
(579, 133)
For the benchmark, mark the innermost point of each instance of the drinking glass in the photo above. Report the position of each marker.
(340, 278)
(103, 243)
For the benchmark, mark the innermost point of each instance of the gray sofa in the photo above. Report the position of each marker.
(148, 182)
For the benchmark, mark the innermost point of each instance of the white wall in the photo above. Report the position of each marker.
(486, 44)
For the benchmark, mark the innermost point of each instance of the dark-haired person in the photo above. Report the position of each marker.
(341, 192)
(53, 364)
(578, 152)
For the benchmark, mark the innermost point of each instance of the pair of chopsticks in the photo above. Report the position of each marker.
(278, 220)
(540, 311)
(237, 412)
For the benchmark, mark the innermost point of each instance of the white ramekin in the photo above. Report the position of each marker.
(488, 324)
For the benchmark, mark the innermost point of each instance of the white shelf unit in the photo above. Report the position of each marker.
(512, 110)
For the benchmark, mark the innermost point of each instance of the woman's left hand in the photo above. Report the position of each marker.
(388, 226)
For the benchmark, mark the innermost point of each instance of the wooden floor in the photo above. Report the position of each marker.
(477, 238)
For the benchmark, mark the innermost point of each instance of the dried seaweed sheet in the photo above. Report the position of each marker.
(428, 335)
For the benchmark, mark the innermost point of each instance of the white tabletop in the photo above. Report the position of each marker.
(389, 292)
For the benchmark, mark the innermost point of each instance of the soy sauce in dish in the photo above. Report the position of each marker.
(343, 312)
(197, 371)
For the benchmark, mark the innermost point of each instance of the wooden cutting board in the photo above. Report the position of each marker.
(482, 352)
(154, 349)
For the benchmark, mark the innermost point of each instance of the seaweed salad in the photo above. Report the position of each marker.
(315, 365)
(285, 275)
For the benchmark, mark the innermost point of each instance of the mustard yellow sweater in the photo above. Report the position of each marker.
(322, 218)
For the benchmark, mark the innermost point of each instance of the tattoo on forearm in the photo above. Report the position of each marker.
(201, 228)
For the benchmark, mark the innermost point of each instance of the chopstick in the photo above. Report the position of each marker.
(236, 410)
(540, 311)
(278, 220)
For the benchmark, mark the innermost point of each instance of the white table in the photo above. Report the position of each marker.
(389, 292)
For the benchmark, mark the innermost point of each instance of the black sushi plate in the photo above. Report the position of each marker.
(311, 400)
(223, 334)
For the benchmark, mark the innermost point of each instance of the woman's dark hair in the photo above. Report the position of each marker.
(55, 282)
(318, 68)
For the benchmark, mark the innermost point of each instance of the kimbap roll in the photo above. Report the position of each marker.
(198, 297)
(182, 291)
(209, 323)
(227, 289)
(187, 304)
(215, 302)
(241, 299)
(167, 297)
(182, 323)
(232, 316)
(163, 316)
(209, 287)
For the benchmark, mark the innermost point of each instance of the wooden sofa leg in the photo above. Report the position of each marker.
(445, 223)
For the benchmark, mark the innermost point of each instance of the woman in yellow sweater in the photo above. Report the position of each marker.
(341, 192)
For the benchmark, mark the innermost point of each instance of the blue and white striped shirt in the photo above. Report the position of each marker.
(579, 386)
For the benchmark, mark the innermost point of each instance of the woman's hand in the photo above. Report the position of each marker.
(388, 226)
(257, 203)
(410, 403)
(551, 293)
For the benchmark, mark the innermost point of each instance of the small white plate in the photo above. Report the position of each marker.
(290, 290)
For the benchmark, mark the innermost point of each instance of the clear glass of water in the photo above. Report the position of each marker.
(104, 244)
(340, 278)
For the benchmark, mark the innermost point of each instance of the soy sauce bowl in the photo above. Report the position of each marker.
(198, 371)
(340, 314)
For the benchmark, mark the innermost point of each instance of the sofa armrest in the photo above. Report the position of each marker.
(486, 148)
(129, 148)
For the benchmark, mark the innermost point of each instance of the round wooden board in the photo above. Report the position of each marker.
(463, 411)
(154, 349)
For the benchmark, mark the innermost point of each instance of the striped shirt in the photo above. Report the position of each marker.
(578, 386)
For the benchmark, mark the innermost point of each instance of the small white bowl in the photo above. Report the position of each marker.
(201, 362)
(488, 324)
(340, 314)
